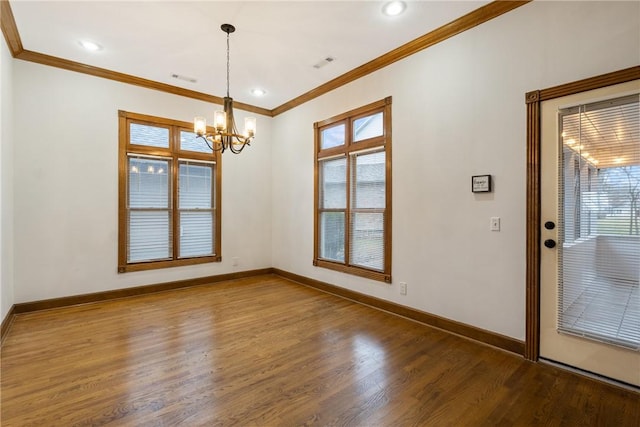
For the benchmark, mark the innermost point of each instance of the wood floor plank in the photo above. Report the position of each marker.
(265, 351)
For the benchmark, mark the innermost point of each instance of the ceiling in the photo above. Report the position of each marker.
(275, 46)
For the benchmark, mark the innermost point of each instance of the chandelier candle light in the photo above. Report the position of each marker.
(226, 135)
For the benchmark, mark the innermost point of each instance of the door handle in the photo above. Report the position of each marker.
(550, 243)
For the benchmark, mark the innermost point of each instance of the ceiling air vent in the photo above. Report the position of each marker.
(185, 78)
(324, 62)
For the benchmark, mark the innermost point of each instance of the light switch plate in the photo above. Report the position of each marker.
(403, 288)
(495, 223)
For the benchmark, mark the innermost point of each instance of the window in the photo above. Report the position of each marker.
(169, 195)
(353, 192)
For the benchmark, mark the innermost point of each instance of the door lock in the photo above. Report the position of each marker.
(550, 243)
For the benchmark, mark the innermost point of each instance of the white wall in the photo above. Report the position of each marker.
(66, 185)
(6, 180)
(458, 110)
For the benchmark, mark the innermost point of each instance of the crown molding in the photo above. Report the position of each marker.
(457, 26)
(65, 64)
(9, 29)
(12, 36)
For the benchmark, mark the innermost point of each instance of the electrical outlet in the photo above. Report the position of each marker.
(403, 288)
(495, 223)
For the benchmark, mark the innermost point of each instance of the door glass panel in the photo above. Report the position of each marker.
(599, 268)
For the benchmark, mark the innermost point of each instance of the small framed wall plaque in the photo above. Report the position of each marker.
(481, 183)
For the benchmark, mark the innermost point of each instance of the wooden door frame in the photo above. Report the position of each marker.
(533, 100)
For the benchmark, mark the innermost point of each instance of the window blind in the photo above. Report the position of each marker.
(151, 136)
(599, 211)
(149, 209)
(332, 208)
(368, 203)
(196, 208)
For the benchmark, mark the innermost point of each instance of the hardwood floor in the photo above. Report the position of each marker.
(264, 351)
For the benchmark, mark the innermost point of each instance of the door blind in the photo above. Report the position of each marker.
(599, 226)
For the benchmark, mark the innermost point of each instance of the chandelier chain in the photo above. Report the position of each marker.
(228, 66)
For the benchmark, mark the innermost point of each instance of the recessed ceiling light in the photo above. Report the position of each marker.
(90, 46)
(258, 92)
(394, 8)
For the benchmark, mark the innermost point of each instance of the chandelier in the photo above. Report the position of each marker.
(226, 135)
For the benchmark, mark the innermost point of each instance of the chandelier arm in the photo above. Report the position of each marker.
(243, 139)
(206, 141)
(240, 137)
(236, 150)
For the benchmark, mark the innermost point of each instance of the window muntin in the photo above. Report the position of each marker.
(169, 195)
(353, 192)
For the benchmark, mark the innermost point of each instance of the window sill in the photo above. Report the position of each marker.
(356, 271)
(154, 265)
